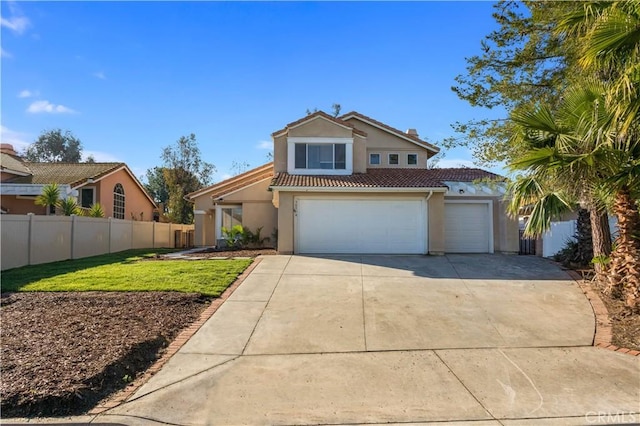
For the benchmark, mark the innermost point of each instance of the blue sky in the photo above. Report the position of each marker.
(129, 78)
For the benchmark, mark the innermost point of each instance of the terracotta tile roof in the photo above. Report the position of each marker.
(323, 115)
(235, 183)
(72, 174)
(464, 174)
(390, 129)
(383, 178)
(13, 162)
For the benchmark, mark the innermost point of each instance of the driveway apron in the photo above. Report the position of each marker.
(394, 339)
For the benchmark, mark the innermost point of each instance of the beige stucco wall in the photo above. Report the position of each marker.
(257, 211)
(287, 199)
(436, 223)
(136, 205)
(320, 128)
(505, 229)
(384, 143)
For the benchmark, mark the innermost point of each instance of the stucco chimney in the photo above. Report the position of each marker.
(412, 132)
(7, 148)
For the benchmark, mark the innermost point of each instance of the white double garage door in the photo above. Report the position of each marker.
(387, 226)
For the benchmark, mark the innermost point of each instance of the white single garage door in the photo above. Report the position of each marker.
(360, 226)
(467, 228)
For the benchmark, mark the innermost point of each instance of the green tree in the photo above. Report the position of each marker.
(49, 197)
(611, 49)
(69, 206)
(575, 155)
(54, 146)
(184, 172)
(156, 186)
(96, 210)
(523, 61)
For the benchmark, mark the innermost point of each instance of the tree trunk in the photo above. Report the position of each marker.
(624, 273)
(601, 238)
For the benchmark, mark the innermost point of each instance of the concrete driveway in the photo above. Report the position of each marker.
(394, 339)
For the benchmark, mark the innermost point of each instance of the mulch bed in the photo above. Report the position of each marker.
(212, 253)
(64, 352)
(625, 324)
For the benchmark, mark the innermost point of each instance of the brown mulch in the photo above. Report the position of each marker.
(64, 352)
(625, 324)
(209, 253)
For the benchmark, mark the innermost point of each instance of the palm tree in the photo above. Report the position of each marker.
(69, 206)
(611, 49)
(96, 210)
(559, 163)
(49, 197)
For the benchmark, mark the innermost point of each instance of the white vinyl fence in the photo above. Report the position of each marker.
(32, 239)
(561, 232)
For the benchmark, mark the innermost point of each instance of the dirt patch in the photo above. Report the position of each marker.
(211, 253)
(625, 323)
(64, 352)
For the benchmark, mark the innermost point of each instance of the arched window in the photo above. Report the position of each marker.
(118, 201)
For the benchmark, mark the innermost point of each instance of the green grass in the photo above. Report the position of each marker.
(127, 271)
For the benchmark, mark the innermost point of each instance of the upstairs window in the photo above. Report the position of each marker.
(374, 159)
(321, 156)
(312, 155)
(393, 159)
(118, 201)
(412, 159)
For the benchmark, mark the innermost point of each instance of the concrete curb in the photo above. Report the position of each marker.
(182, 338)
(604, 329)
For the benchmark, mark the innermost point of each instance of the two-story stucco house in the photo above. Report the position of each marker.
(352, 184)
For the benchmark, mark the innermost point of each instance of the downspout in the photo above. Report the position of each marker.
(429, 196)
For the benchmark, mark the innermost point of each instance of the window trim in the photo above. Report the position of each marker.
(412, 153)
(397, 163)
(124, 201)
(93, 201)
(379, 163)
(291, 151)
(218, 217)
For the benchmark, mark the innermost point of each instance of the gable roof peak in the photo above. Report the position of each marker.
(316, 115)
(410, 135)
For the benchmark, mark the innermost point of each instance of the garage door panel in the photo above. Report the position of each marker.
(467, 228)
(360, 226)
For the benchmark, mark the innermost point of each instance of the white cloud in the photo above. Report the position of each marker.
(46, 106)
(100, 75)
(226, 176)
(17, 22)
(265, 145)
(446, 163)
(101, 157)
(26, 94)
(5, 54)
(17, 139)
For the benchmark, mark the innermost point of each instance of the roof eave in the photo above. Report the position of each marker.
(356, 189)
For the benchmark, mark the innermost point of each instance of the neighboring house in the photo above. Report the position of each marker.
(355, 185)
(113, 185)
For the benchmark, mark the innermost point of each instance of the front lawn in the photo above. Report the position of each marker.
(72, 335)
(132, 270)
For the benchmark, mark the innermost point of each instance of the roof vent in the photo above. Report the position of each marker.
(412, 132)
(7, 148)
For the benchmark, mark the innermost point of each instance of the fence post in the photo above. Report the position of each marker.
(30, 240)
(110, 234)
(153, 234)
(73, 236)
